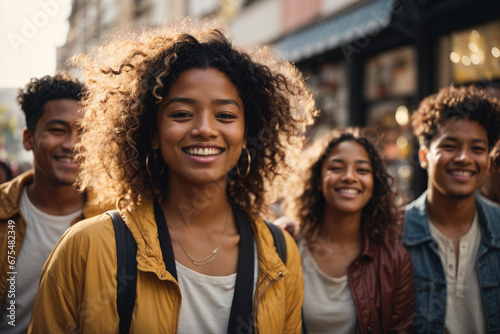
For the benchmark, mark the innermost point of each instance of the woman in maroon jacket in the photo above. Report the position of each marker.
(357, 277)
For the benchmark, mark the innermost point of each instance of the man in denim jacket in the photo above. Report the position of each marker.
(454, 237)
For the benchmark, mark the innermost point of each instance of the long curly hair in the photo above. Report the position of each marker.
(378, 216)
(456, 103)
(127, 79)
(38, 91)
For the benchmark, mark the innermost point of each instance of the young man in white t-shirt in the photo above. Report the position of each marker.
(39, 205)
(450, 233)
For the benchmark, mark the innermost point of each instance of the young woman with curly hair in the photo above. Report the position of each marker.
(357, 277)
(187, 133)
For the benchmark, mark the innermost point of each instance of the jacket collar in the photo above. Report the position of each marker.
(370, 248)
(489, 216)
(10, 197)
(269, 260)
(416, 227)
(416, 224)
(10, 194)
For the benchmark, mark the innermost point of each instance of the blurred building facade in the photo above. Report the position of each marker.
(92, 21)
(12, 124)
(369, 61)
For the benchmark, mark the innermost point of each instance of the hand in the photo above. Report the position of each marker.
(288, 224)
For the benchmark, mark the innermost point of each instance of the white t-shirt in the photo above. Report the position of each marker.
(464, 307)
(328, 303)
(206, 300)
(43, 231)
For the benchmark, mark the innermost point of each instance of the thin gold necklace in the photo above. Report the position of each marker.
(209, 258)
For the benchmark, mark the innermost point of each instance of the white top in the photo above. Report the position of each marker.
(43, 231)
(206, 300)
(328, 303)
(464, 307)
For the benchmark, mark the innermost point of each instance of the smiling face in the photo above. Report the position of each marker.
(54, 140)
(201, 127)
(457, 159)
(346, 178)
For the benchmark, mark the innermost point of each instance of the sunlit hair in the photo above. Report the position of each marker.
(379, 215)
(452, 103)
(495, 156)
(128, 78)
(38, 91)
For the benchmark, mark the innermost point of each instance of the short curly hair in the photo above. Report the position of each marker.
(128, 78)
(456, 103)
(37, 92)
(495, 156)
(379, 215)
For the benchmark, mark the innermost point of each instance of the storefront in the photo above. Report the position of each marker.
(471, 55)
(372, 65)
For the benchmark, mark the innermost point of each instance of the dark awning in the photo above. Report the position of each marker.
(365, 20)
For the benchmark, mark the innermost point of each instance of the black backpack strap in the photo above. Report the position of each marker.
(280, 244)
(126, 276)
(279, 240)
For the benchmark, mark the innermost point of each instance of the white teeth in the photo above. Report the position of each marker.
(201, 151)
(461, 173)
(348, 191)
(66, 160)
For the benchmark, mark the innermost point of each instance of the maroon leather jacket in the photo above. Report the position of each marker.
(381, 281)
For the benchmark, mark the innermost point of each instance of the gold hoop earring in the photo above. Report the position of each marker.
(147, 165)
(249, 158)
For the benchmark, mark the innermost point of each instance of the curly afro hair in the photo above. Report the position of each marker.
(38, 91)
(378, 217)
(128, 78)
(456, 103)
(495, 156)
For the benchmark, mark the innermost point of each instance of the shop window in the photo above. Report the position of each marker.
(390, 89)
(471, 55)
(391, 74)
(329, 84)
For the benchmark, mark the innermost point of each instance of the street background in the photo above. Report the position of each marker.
(369, 62)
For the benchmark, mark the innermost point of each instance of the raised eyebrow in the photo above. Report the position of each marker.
(57, 122)
(479, 141)
(363, 162)
(357, 161)
(455, 139)
(186, 100)
(450, 138)
(221, 102)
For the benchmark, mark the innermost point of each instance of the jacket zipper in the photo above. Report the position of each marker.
(280, 275)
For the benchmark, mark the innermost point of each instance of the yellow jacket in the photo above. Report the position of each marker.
(10, 195)
(77, 291)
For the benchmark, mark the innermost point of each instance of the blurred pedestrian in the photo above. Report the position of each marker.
(40, 204)
(357, 277)
(5, 172)
(453, 236)
(490, 190)
(190, 132)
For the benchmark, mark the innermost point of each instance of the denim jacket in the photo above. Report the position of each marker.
(429, 276)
